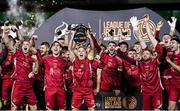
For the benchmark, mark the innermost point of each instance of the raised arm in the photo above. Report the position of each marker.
(149, 32)
(158, 28)
(91, 53)
(70, 47)
(5, 37)
(134, 23)
(96, 45)
(175, 66)
(32, 40)
(7, 40)
(35, 64)
(19, 34)
(66, 40)
(125, 57)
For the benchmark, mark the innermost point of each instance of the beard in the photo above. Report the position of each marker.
(111, 52)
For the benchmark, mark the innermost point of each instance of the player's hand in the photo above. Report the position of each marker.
(168, 59)
(146, 17)
(34, 37)
(33, 50)
(89, 26)
(159, 25)
(34, 57)
(173, 23)
(97, 57)
(117, 47)
(134, 22)
(117, 92)
(6, 29)
(31, 74)
(96, 91)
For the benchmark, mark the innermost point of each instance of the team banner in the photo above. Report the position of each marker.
(101, 22)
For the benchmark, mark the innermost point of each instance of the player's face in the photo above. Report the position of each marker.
(138, 57)
(43, 49)
(174, 45)
(56, 48)
(111, 48)
(138, 48)
(123, 48)
(66, 55)
(81, 53)
(166, 40)
(25, 47)
(146, 55)
(131, 54)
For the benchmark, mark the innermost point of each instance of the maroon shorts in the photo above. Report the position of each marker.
(152, 101)
(23, 92)
(55, 98)
(174, 94)
(80, 94)
(6, 88)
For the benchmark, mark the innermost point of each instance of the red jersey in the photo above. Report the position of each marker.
(82, 73)
(175, 74)
(133, 75)
(111, 65)
(54, 70)
(150, 74)
(7, 66)
(22, 66)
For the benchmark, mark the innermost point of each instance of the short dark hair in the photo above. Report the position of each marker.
(167, 34)
(176, 39)
(131, 50)
(137, 43)
(112, 42)
(123, 43)
(46, 44)
(147, 49)
(64, 49)
(54, 43)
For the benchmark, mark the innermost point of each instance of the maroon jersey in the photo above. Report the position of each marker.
(54, 70)
(150, 74)
(111, 65)
(175, 74)
(68, 76)
(133, 75)
(22, 66)
(82, 73)
(40, 75)
(7, 66)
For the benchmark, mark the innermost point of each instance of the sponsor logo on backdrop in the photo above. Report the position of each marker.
(129, 102)
(122, 30)
(112, 102)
